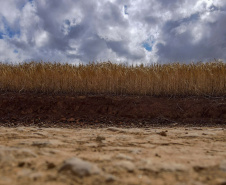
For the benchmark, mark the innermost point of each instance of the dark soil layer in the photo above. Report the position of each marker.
(100, 111)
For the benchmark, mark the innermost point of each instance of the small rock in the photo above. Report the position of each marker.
(5, 180)
(25, 153)
(223, 165)
(63, 119)
(41, 133)
(196, 183)
(113, 129)
(221, 181)
(71, 119)
(148, 166)
(10, 153)
(110, 178)
(126, 131)
(173, 167)
(50, 165)
(198, 168)
(196, 128)
(22, 164)
(21, 129)
(162, 133)
(135, 150)
(174, 124)
(35, 176)
(100, 138)
(157, 155)
(119, 130)
(123, 156)
(81, 97)
(24, 172)
(127, 165)
(40, 143)
(6, 159)
(79, 167)
(91, 145)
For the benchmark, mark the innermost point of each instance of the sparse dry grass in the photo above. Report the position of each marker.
(108, 78)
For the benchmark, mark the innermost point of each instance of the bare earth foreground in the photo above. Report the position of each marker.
(71, 139)
(33, 155)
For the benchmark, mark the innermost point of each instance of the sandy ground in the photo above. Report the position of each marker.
(55, 156)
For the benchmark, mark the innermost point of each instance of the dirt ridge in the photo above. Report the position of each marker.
(37, 108)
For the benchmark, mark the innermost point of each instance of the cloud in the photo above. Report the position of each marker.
(122, 31)
(199, 36)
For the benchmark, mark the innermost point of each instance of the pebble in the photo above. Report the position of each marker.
(196, 183)
(119, 130)
(40, 143)
(123, 156)
(162, 133)
(5, 159)
(10, 153)
(110, 178)
(91, 145)
(41, 133)
(113, 129)
(221, 181)
(136, 150)
(127, 165)
(21, 129)
(52, 142)
(199, 168)
(100, 138)
(25, 153)
(50, 165)
(156, 167)
(172, 167)
(79, 167)
(223, 165)
(71, 119)
(36, 175)
(5, 180)
(148, 167)
(24, 173)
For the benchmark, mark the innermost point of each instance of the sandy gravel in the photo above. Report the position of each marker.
(57, 156)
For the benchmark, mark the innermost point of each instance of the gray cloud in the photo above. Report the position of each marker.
(83, 31)
(194, 38)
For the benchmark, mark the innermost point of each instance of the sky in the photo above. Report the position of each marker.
(122, 31)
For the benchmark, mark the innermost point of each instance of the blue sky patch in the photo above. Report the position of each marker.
(12, 33)
(28, 1)
(15, 51)
(147, 46)
(8, 31)
(1, 35)
(126, 10)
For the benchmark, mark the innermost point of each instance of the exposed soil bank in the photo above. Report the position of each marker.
(101, 111)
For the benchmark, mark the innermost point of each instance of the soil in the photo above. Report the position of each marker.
(158, 156)
(100, 111)
(73, 139)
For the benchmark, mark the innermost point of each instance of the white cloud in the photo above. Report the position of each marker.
(83, 31)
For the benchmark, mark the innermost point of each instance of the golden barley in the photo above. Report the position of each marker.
(109, 78)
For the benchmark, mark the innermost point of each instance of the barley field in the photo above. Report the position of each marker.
(108, 78)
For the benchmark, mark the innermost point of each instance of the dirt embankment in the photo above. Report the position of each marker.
(43, 109)
(162, 152)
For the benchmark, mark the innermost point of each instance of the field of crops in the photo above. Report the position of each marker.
(116, 79)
